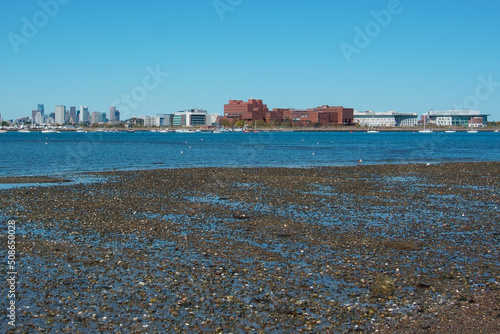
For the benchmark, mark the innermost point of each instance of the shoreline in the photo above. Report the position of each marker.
(346, 129)
(31, 179)
(269, 249)
(44, 178)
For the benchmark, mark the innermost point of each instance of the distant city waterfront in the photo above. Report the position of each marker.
(40, 153)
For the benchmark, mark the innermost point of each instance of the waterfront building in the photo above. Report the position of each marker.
(60, 114)
(255, 110)
(454, 117)
(295, 115)
(1, 119)
(213, 119)
(190, 117)
(252, 110)
(331, 115)
(326, 115)
(387, 118)
(166, 119)
(150, 121)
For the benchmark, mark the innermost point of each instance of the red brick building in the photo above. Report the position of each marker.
(332, 115)
(255, 110)
(325, 115)
(252, 110)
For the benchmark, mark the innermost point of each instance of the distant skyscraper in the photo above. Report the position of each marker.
(35, 112)
(112, 114)
(39, 118)
(97, 117)
(60, 114)
(72, 115)
(84, 114)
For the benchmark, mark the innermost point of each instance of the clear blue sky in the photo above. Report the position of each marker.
(430, 54)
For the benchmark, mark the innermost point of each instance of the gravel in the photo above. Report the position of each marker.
(261, 250)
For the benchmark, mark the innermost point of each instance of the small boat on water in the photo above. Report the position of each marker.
(3, 131)
(186, 131)
(450, 131)
(471, 130)
(425, 130)
(49, 131)
(24, 131)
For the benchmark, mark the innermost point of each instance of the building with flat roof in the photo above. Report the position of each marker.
(60, 114)
(331, 115)
(97, 117)
(252, 110)
(84, 114)
(190, 117)
(387, 118)
(454, 117)
(255, 110)
(114, 114)
(151, 121)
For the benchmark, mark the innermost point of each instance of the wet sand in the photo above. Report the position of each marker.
(386, 248)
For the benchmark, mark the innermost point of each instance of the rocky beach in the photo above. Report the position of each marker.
(410, 248)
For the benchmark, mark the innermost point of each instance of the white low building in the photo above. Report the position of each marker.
(191, 117)
(454, 117)
(385, 119)
(151, 121)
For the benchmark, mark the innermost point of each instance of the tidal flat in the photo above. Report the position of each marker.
(409, 248)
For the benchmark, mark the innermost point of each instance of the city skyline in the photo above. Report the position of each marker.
(145, 59)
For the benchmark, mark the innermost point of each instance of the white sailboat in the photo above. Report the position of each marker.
(471, 130)
(425, 130)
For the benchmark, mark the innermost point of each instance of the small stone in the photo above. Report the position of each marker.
(383, 286)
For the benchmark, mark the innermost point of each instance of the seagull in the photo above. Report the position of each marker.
(360, 161)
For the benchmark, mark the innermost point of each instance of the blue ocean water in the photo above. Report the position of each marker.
(60, 153)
